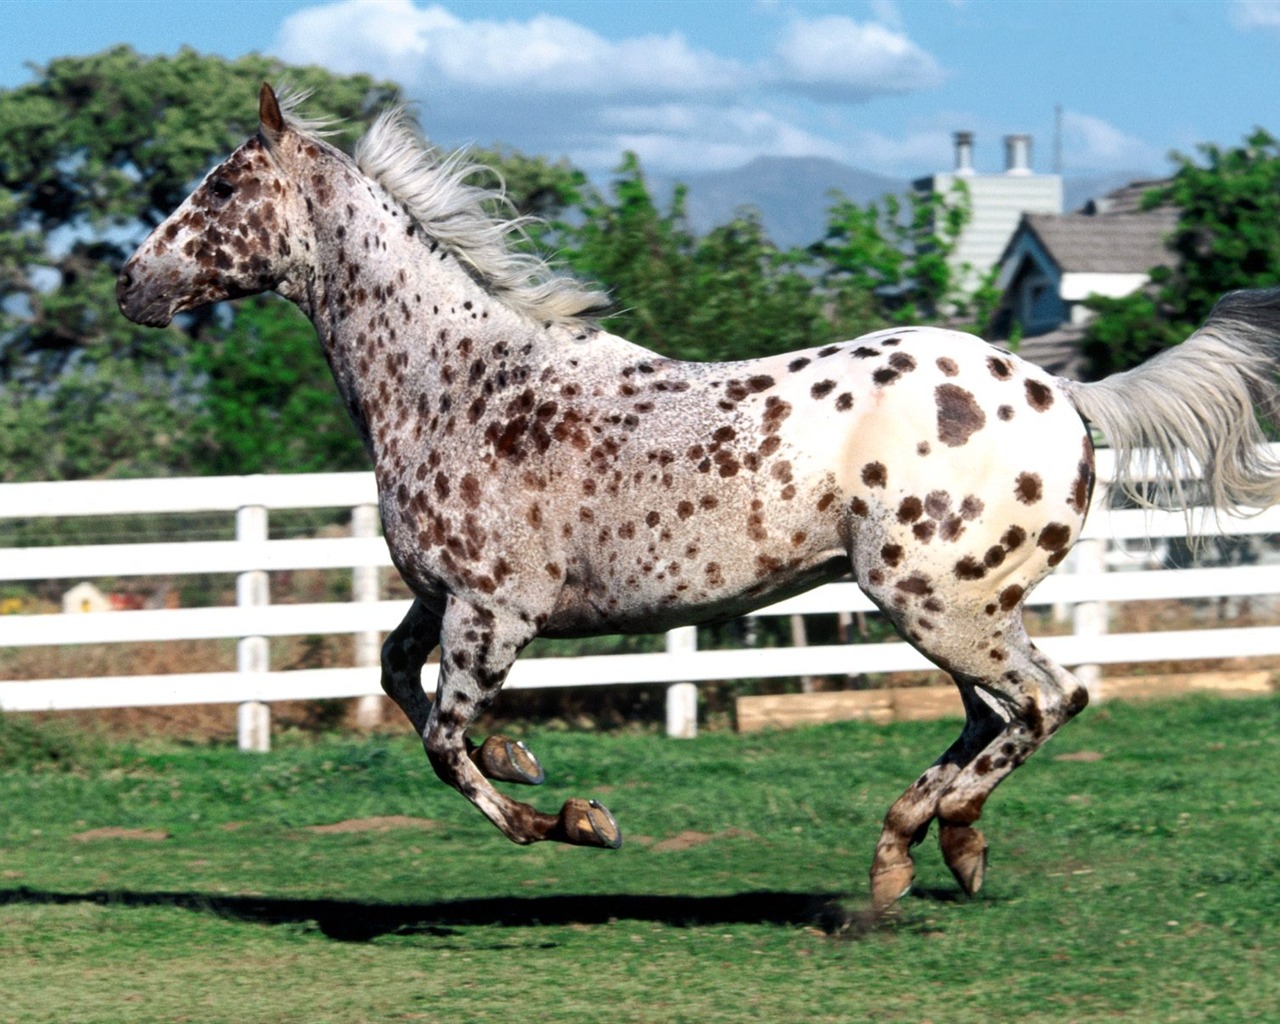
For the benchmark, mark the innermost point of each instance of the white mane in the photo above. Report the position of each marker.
(435, 191)
(289, 100)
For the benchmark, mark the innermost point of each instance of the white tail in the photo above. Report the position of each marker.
(1199, 410)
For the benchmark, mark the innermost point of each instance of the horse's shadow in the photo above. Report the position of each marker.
(362, 921)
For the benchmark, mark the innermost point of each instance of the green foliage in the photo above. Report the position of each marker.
(1229, 225)
(639, 252)
(93, 153)
(892, 264)
(1228, 237)
(1127, 331)
(535, 186)
(730, 294)
(268, 402)
(99, 150)
(748, 298)
(861, 264)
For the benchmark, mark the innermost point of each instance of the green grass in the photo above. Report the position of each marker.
(1142, 885)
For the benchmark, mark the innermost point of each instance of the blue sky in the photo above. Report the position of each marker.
(698, 85)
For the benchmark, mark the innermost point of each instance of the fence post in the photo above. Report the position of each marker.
(253, 718)
(1089, 618)
(366, 585)
(682, 698)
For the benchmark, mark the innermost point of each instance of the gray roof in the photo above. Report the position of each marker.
(1125, 199)
(1058, 351)
(1113, 243)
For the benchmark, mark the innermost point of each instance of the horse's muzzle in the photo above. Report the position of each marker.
(140, 303)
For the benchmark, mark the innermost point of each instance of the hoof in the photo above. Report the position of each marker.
(588, 823)
(890, 884)
(965, 851)
(505, 760)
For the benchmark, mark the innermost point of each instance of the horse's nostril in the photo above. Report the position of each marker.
(124, 282)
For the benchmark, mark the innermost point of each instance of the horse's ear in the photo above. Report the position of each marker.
(269, 112)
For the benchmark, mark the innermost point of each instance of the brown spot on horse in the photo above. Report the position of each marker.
(1039, 395)
(959, 415)
(1029, 488)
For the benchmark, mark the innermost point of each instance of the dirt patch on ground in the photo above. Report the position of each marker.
(139, 835)
(1080, 755)
(690, 838)
(381, 823)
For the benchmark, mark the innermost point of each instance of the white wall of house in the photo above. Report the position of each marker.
(998, 202)
(1075, 287)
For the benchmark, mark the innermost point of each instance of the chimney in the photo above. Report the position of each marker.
(1017, 154)
(964, 152)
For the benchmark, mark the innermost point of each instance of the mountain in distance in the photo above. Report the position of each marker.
(794, 194)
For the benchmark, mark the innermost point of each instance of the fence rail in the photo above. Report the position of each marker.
(1100, 571)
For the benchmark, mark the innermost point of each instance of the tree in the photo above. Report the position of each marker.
(1228, 237)
(93, 154)
(730, 294)
(97, 152)
(267, 401)
(891, 263)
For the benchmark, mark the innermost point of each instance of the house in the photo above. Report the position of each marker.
(1053, 263)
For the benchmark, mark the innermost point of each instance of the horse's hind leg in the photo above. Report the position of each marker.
(1011, 713)
(1040, 697)
(907, 822)
(404, 652)
(478, 648)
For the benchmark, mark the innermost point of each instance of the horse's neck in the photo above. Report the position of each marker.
(406, 329)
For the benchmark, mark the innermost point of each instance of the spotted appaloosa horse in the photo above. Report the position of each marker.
(538, 476)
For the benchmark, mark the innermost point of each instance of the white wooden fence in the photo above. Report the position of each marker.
(1084, 584)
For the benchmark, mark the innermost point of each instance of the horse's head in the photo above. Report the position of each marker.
(235, 235)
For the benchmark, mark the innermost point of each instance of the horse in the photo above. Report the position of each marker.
(538, 476)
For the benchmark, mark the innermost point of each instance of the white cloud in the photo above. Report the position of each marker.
(886, 13)
(429, 47)
(1092, 143)
(546, 84)
(550, 85)
(1246, 14)
(931, 148)
(836, 59)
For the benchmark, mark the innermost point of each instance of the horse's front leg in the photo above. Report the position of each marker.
(478, 649)
(404, 652)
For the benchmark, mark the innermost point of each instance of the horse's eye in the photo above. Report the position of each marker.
(222, 189)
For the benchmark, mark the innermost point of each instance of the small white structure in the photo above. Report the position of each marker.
(85, 597)
(997, 202)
